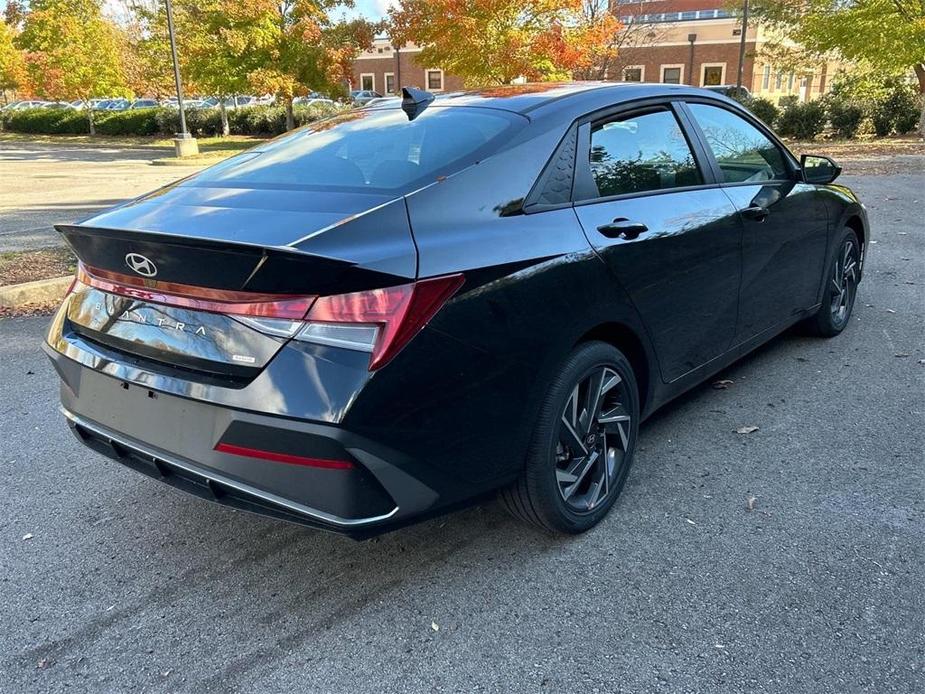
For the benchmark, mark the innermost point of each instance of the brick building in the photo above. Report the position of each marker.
(674, 41)
(697, 42)
(386, 68)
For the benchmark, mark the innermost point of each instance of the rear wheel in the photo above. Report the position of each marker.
(841, 288)
(583, 443)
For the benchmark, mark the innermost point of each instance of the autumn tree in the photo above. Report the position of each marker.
(71, 52)
(308, 51)
(888, 35)
(12, 65)
(497, 41)
(145, 51)
(636, 34)
(221, 43)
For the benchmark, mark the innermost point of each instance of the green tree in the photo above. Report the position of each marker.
(887, 35)
(12, 65)
(221, 43)
(72, 51)
(309, 52)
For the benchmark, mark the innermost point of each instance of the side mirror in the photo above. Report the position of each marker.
(819, 169)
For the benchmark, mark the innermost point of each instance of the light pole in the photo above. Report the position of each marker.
(184, 145)
(692, 38)
(741, 73)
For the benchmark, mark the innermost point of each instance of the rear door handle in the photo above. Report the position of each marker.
(756, 212)
(622, 227)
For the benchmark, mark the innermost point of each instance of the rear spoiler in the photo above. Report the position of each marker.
(219, 264)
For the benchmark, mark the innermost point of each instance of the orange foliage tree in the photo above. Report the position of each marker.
(490, 42)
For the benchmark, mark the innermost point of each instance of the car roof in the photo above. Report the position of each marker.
(524, 98)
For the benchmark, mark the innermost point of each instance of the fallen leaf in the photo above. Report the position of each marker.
(902, 354)
(43, 663)
(690, 521)
(746, 430)
(921, 361)
(750, 503)
(722, 385)
(27, 536)
(433, 625)
(889, 310)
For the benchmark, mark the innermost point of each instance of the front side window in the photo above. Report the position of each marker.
(638, 153)
(671, 75)
(368, 150)
(742, 151)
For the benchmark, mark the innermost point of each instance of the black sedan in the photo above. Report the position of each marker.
(397, 310)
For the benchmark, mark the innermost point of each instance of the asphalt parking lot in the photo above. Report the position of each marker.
(46, 183)
(111, 582)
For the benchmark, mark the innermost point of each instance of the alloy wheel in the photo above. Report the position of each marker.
(593, 440)
(844, 281)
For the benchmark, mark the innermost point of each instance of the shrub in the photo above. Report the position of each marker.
(47, 121)
(903, 103)
(141, 122)
(201, 122)
(802, 121)
(764, 109)
(844, 117)
(882, 119)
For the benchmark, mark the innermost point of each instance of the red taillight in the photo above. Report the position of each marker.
(291, 307)
(379, 321)
(398, 312)
(287, 458)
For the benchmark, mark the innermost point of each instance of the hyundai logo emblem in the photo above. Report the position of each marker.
(143, 266)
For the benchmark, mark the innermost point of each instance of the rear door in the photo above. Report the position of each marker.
(785, 222)
(651, 208)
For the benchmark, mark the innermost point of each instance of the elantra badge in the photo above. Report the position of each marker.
(140, 264)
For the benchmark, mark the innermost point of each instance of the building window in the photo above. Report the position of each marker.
(671, 74)
(790, 82)
(368, 82)
(714, 74)
(779, 81)
(766, 78)
(389, 83)
(633, 73)
(434, 80)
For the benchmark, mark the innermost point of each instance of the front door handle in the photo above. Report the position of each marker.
(622, 227)
(757, 212)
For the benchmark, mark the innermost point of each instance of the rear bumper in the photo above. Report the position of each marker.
(173, 439)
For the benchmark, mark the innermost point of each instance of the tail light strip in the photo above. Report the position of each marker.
(236, 303)
(379, 321)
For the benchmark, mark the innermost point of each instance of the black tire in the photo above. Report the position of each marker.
(841, 284)
(556, 486)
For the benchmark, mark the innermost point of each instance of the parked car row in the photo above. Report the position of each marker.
(122, 104)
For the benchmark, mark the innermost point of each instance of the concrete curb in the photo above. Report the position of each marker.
(38, 292)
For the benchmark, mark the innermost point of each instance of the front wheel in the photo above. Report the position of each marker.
(841, 286)
(582, 445)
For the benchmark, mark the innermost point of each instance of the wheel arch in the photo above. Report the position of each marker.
(630, 343)
(855, 223)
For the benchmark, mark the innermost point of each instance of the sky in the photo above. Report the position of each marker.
(370, 9)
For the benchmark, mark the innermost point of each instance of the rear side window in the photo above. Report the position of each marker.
(744, 153)
(638, 153)
(370, 150)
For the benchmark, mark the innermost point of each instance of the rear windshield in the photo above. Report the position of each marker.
(369, 149)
